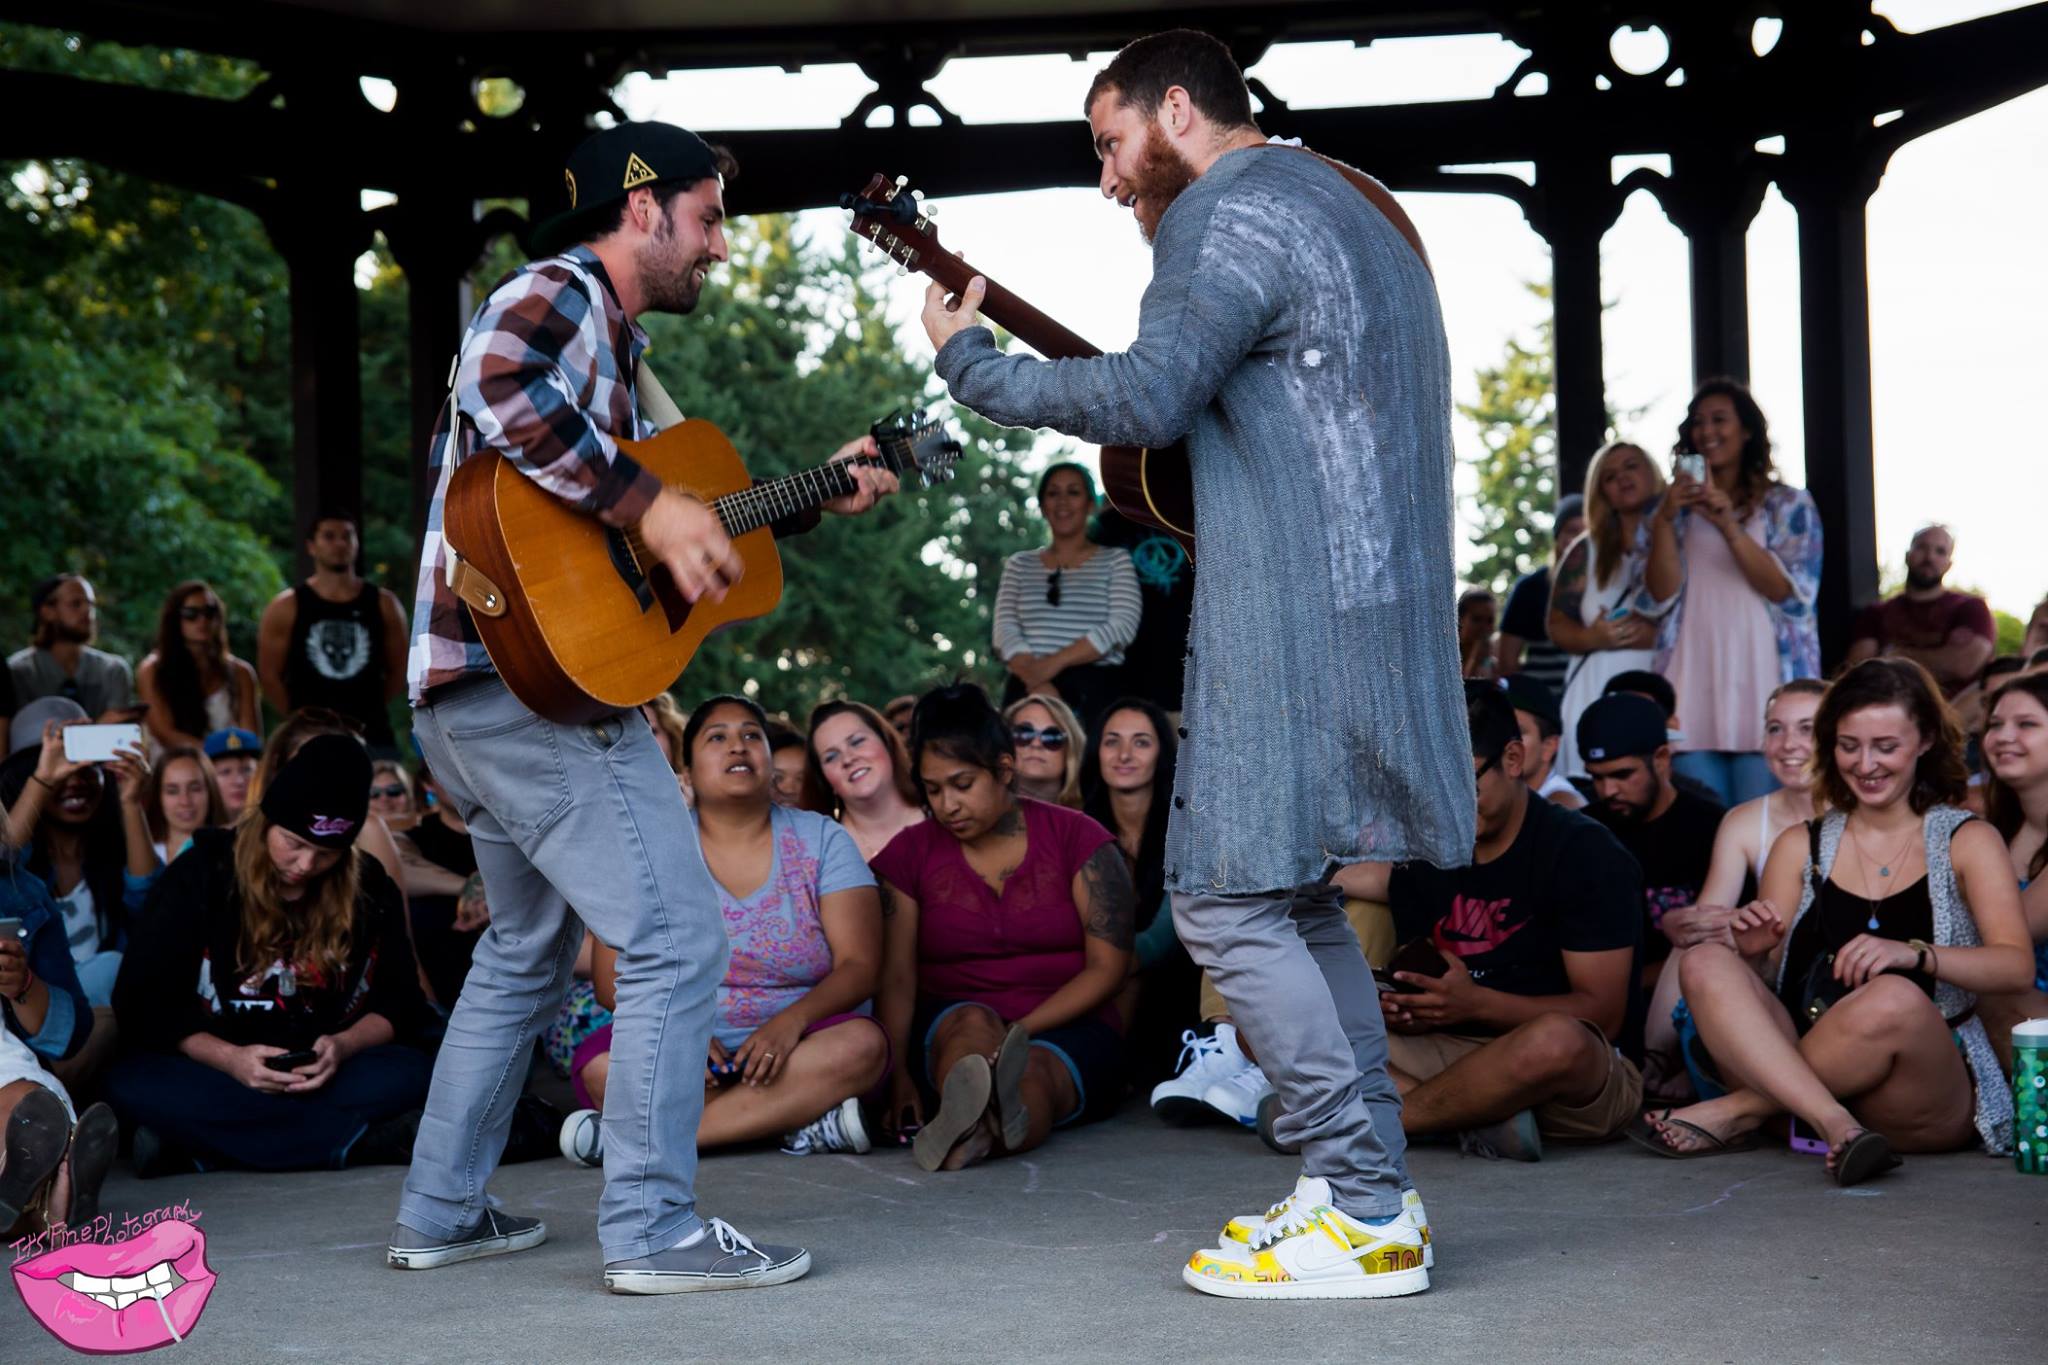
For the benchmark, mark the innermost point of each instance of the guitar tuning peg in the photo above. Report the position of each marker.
(930, 210)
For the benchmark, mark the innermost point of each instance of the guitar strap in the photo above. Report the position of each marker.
(1379, 196)
(655, 404)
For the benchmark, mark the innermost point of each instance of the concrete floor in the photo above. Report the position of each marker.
(1073, 1253)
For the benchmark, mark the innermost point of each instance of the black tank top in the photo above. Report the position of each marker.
(1838, 916)
(336, 658)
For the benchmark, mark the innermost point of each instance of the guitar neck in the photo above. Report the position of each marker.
(1019, 318)
(764, 503)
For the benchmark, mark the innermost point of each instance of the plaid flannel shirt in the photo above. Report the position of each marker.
(542, 379)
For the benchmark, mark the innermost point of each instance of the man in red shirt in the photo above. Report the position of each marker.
(1951, 633)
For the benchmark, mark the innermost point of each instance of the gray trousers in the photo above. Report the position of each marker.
(593, 813)
(1290, 968)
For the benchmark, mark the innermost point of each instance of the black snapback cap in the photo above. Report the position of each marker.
(611, 164)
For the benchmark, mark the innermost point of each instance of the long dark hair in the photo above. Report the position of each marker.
(153, 793)
(1150, 872)
(180, 678)
(2001, 802)
(1757, 473)
(1940, 777)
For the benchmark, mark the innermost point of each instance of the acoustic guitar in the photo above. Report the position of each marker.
(1151, 487)
(580, 618)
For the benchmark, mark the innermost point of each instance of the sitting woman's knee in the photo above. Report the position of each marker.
(1705, 964)
(1883, 1006)
(863, 1052)
(963, 1019)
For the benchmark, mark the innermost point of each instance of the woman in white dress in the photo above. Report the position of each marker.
(1589, 612)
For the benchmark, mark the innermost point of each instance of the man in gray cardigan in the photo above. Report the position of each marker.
(1291, 335)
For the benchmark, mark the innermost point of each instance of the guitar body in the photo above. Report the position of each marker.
(585, 629)
(1153, 488)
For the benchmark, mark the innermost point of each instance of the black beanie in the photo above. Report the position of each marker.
(322, 794)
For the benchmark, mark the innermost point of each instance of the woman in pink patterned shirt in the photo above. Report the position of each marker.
(794, 1045)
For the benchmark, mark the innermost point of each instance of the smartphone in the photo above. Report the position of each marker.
(97, 743)
(10, 928)
(1420, 957)
(291, 1061)
(1692, 467)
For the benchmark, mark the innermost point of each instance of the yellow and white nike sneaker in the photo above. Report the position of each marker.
(1313, 1251)
(1239, 1231)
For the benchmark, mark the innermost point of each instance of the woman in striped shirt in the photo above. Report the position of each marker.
(1064, 613)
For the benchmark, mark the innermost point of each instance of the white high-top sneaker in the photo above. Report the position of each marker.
(1203, 1063)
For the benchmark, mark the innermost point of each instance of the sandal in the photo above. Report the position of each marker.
(1864, 1155)
(1645, 1135)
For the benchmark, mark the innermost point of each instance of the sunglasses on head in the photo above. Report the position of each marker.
(394, 791)
(206, 613)
(1051, 737)
(1052, 589)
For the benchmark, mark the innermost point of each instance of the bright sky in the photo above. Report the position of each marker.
(1957, 286)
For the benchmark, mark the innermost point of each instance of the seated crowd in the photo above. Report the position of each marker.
(1712, 900)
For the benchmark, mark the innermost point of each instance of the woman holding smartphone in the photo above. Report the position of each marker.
(1734, 568)
(270, 982)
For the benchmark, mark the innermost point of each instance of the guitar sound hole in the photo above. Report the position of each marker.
(629, 573)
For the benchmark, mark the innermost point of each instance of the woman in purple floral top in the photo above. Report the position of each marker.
(794, 1044)
(1733, 571)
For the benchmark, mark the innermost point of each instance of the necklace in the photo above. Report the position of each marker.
(1884, 871)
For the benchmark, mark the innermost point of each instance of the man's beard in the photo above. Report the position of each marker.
(668, 281)
(1636, 812)
(1919, 582)
(1161, 175)
(72, 635)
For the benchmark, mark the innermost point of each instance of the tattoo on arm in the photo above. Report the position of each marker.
(890, 900)
(1112, 900)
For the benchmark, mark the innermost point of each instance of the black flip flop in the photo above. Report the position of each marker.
(962, 1102)
(92, 1155)
(37, 1131)
(1863, 1156)
(1643, 1135)
(1012, 1114)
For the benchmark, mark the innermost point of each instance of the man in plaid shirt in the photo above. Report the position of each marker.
(547, 379)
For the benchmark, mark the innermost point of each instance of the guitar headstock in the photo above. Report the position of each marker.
(915, 446)
(896, 219)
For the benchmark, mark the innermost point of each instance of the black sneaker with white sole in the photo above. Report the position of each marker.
(494, 1234)
(718, 1256)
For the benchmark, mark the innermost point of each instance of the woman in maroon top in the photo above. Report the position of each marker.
(1008, 936)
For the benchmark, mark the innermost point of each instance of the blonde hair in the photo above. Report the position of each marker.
(1077, 741)
(315, 930)
(1603, 522)
(669, 720)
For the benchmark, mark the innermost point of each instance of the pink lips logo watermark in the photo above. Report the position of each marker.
(113, 1287)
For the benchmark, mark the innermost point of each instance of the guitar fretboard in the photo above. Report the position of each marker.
(764, 503)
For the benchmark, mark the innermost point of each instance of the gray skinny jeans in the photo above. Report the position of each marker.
(1297, 983)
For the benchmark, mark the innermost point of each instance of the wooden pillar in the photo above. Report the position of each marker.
(1577, 207)
(1830, 185)
(1713, 201)
(320, 241)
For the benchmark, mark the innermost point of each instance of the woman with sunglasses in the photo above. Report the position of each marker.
(192, 682)
(857, 770)
(391, 795)
(1008, 938)
(1050, 749)
(1065, 612)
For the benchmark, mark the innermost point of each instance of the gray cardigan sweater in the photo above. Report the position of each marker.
(1292, 336)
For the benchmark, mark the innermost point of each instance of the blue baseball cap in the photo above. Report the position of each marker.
(221, 743)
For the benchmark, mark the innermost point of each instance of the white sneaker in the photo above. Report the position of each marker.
(1239, 1231)
(836, 1130)
(582, 1139)
(1238, 1094)
(1314, 1251)
(1203, 1063)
